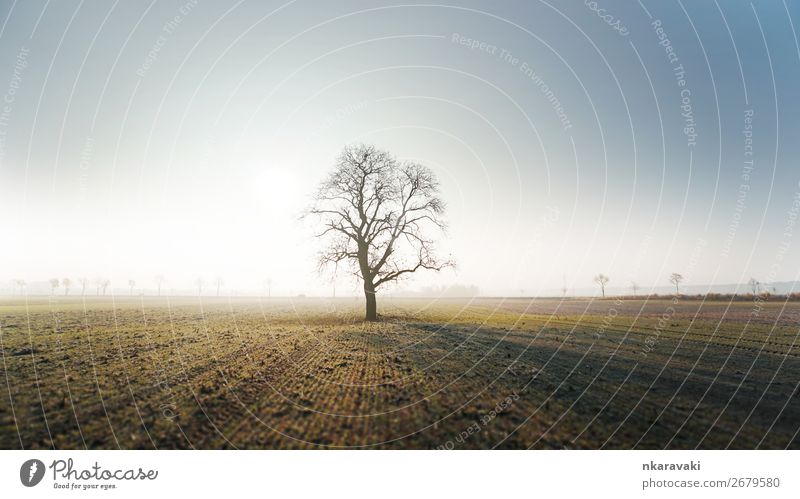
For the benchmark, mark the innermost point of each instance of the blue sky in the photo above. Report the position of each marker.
(183, 138)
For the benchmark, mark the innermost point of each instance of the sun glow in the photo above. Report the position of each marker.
(278, 190)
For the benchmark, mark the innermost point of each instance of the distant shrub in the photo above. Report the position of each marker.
(744, 297)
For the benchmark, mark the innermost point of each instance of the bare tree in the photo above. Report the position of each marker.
(104, 285)
(218, 282)
(160, 279)
(199, 283)
(675, 278)
(375, 212)
(98, 282)
(634, 287)
(84, 282)
(754, 285)
(602, 280)
(53, 285)
(66, 283)
(131, 284)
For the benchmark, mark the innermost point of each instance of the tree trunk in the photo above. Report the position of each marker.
(372, 305)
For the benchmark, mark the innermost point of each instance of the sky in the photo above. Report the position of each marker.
(184, 138)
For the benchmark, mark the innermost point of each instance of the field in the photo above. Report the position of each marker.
(484, 373)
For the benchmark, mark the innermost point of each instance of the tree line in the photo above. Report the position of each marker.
(101, 285)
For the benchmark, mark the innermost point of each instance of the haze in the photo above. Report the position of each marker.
(185, 139)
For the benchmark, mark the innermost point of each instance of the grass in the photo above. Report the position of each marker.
(484, 373)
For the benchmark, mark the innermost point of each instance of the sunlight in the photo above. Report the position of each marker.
(277, 190)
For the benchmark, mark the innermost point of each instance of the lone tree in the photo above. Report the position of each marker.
(160, 279)
(602, 280)
(131, 284)
(754, 285)
(376, 212)
(53, 285)
(675, 278)
(66, 283)
(634, 287)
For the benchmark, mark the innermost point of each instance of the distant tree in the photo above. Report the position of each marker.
(218, 282)
(634, 287)
(84, 282)
(754, 285)
(268, 286)
(602, 280)
(20, 283)
(105, 285)
(675, 278)
(199, 283)
(53, 285)
(66, 283)
(131, 284)
(160, 279)
(98, 284)
(375, 212)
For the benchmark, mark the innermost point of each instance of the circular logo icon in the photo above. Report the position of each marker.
(31, 472)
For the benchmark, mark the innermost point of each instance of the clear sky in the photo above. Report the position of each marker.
(184, 137)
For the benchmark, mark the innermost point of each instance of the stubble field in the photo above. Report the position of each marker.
(486, 373)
